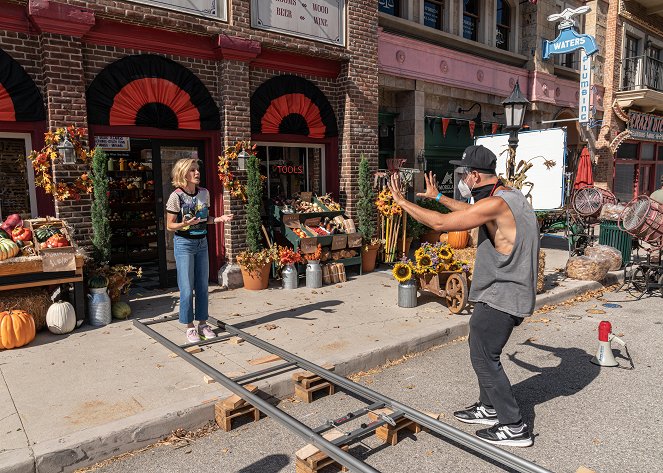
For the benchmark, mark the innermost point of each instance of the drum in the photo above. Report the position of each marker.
(643, 218)
(588, 201)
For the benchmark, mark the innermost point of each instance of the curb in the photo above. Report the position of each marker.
(613, 277)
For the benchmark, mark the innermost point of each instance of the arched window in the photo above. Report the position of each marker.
(471, 19)
(503, 25)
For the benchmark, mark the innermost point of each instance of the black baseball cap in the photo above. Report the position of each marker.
(478, 157)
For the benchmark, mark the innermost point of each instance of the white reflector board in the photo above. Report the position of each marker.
(535, 146)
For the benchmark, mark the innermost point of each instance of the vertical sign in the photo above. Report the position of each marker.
(585, 87)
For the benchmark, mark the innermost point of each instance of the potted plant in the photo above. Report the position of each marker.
(366, 217)
(101, 236)
(287, 259)
(255, 261)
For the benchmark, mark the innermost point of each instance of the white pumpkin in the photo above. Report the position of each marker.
(61, 318)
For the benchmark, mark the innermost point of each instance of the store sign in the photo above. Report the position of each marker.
(645, 126)
(568, 41)
(112, 143)
(319, 20)
(208, 8)
(288, 169)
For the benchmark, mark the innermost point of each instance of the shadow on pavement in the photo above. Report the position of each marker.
(270, 463)
(570, 376)
(294, 313)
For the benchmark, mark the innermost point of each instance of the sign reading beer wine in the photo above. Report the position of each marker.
(319, 20)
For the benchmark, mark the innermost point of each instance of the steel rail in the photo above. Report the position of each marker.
(445, 430)
(333, 451)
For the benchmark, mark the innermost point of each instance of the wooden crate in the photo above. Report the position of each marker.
(309, 459)
(306, 388)
(225, 416)
(389, 433)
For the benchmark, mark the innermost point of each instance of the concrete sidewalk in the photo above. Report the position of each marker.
(70, 401)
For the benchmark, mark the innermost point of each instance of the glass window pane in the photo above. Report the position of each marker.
(659, 175)
(660, 152)
(433, 14)
(471, 6)
(627, 151)
(389, 6)
(644, 179)
(624, 181)
(470, 19)
(647, 151)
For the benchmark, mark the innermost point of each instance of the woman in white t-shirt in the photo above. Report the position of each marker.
(188, 216)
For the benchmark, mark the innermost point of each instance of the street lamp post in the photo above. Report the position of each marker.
(514, 113)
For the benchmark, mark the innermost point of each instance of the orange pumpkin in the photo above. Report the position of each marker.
(17, 328)
(458, 240)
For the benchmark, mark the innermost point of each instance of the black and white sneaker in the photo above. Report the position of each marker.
(477, 414)
(505, 435)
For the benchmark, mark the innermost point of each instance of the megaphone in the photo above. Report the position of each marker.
(604, 356)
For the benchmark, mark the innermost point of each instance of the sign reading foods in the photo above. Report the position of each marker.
(216, 9)
(319, 20)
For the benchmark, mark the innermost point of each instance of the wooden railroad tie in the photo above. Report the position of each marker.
(387, 432)
(233, 407)
(307, 384)
(310, 459)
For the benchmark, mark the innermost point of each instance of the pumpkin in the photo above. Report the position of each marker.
(8, 249)
(4, 234)
(458, 240)
(17, 328)
(43, 233)
(61, 318)
(120, 310)
(98, 281)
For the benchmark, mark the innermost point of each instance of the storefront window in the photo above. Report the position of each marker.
(647, 151)
(291, 170)
(471, 19)
(433, 14)
(624, 179)
(386, 138)
(503, 25)
(392, 7)
(628, 151)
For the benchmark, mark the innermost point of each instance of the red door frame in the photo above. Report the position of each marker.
(332, 180)
(212, 140)
(36, 130)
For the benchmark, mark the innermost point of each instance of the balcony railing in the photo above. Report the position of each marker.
(642, 72)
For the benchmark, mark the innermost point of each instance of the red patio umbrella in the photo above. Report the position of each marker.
(584, 175)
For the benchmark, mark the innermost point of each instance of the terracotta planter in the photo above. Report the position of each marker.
(458, 240)
(431, 237)
(257, 280)
(368, 258)
(399, 246)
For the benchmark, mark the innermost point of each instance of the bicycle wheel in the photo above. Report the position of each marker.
(639, 279)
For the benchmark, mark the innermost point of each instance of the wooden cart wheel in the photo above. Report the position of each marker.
(456, 292)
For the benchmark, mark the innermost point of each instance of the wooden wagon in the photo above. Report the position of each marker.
(450, 285)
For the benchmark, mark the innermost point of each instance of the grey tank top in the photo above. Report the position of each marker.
(508, 282)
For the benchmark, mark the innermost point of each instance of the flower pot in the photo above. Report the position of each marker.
(256, 280)
(399, 246)
(369, 255)
(431, 237)
(407, 294)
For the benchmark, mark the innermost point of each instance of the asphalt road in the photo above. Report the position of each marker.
(605, 419)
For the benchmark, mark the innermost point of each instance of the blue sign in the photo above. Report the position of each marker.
(568, 41)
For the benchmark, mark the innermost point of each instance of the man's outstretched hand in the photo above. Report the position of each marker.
(431, 186)
(394, 185)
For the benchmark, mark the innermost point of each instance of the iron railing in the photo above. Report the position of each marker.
(642, 72)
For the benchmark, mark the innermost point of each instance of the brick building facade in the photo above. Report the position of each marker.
(64, 46)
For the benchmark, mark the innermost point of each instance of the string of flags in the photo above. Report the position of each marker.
(445, 121)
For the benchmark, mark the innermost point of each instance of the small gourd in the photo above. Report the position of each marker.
(98, 281)
(17, 328)
(61, 318)
(458, 240)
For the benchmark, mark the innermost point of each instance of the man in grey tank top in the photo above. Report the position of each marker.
(503, 281)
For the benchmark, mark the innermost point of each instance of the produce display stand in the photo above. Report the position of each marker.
(27, 271)
(452, 286)
(287, 223)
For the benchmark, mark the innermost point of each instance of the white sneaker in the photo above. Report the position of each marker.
(192, 335)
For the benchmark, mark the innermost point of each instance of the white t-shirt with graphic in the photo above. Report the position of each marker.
(187, 205)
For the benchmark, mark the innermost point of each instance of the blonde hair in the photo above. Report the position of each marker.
(181, 167)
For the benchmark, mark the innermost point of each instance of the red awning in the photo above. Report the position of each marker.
(584, 176)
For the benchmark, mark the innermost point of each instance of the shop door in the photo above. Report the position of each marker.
(166, 153)
(17, 194)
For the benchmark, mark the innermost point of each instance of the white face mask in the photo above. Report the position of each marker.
(464, 189)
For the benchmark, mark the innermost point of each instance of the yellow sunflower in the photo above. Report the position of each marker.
(445, 254)
(424, 261)
(455, 266)
(402, 272)
(442, 267)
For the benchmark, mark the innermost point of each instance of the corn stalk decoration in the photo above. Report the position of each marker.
(517, 175)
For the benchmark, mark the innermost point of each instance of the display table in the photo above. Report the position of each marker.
(25, 272)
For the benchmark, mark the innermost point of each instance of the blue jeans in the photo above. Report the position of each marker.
(192, 264)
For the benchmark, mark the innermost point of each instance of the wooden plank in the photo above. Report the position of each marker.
(193, 349)
(208, 379)
(265, 359)
(235, 401)
(299, 375)
(374, 415)
(236, 340)
(582, 469)
(12, 268)
(310, 449)
(45, 282)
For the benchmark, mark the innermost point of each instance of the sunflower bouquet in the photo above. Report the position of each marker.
(391, 218)
(433, 259)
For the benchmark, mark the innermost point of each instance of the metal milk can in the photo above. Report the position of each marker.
(99, 306)
(313, 275)
(407, 294)
(289, 276)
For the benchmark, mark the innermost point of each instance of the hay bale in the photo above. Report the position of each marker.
(540, 277)
(35, 301)
(467, 254)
